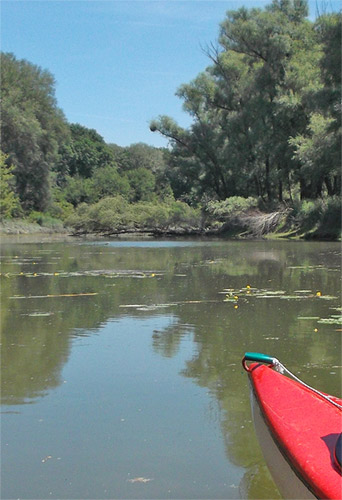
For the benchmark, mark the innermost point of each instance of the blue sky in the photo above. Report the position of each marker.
(118, 63)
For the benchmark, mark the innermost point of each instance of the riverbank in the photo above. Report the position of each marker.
(24, 227)
(235, 217)
(250, 224)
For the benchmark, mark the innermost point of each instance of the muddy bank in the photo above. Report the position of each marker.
(20, 226)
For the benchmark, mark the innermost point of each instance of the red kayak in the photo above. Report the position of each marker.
(299, 430)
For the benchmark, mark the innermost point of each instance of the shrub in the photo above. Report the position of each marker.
(307, 214)
(115, 214)
(221, 210)
(77, 190)
(142, 182)
(45, 220)
(330, 223)
(108, 182)
(319, 218)
(60, 208)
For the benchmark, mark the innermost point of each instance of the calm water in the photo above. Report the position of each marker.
(121, 362)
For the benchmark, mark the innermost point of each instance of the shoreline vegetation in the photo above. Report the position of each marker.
(261, 158)
(307, 221)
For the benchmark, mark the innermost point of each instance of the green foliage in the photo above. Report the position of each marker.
(222, 210)
(266, 129)
(142, 182)
(330, 224)
(86, 152)
(45, 220)
(9, 202)
(60, 208)
(256, 109)
(108, 181)
(32, 128)
(140, 155)
(307, 214)
(313, 150)
(146, 168)
(77, 190)
(318, 218)
(115, 214)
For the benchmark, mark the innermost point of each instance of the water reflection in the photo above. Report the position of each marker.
(219, 298)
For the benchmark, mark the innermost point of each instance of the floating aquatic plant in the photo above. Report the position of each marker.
(308, 317)
(337, 320)
(49, 296)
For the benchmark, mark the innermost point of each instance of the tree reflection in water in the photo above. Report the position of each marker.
(186, 283)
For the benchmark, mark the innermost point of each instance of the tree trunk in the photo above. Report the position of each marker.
(267, 179)
(330, 187)
(257, 186)
(337, 184)
(305, 190)
(289, 187)
(280, 190)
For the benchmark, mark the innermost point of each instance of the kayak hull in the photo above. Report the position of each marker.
(297, 430)
(288, 483)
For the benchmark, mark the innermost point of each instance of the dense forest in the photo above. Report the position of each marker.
(263, 152)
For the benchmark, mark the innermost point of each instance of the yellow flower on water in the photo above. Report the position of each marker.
(152, 275)
(236, 306)
(316, 330)
(236, 297)
(248, 286)
(318, 294)
(55, 274)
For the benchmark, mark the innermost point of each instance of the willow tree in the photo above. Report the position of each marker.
(318, 147)
(249, 103)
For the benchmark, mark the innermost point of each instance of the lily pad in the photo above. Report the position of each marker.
(308, 317)
(270, 294)
(327, 297)
(40, 314)
(85, 294)
(330, 321)
(292, 297)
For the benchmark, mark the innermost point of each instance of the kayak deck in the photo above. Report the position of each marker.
(303, 425)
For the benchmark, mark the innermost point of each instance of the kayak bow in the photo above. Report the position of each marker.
(298, 428)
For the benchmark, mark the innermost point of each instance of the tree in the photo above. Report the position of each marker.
(254, 74)
(142, 155)
(146, 169)
(32, 128)
(86, 152)
(318, 147)
(9, 202)
(257, 95)
(142, 182)
(107, 181)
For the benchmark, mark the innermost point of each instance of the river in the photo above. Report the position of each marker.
(121, 361)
